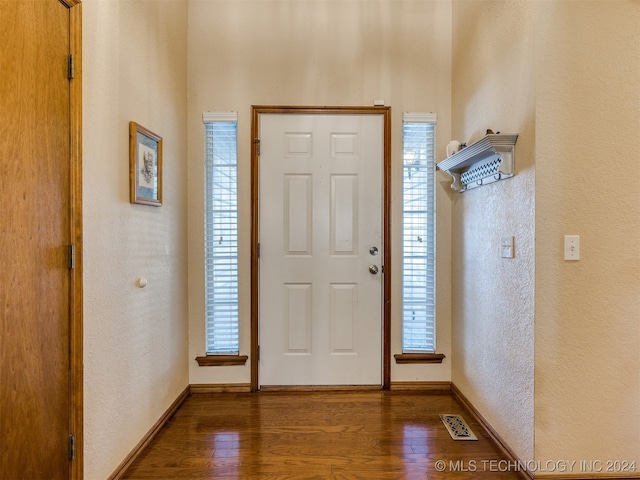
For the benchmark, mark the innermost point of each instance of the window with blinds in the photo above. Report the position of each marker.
(418, 233)
(221, 233)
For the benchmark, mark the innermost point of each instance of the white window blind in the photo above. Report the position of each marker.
(221, 233)
(418, 233)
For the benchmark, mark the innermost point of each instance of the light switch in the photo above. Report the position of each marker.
(506, 247)
(572, 247)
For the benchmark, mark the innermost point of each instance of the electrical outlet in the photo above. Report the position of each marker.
(572, 247)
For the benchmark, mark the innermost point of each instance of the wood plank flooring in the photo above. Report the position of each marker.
(318, 435)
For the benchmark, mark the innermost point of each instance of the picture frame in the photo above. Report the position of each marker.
(145, 166)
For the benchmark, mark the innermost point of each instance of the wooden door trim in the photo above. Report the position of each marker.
(70, 3)
(256, 111)
(76, 314)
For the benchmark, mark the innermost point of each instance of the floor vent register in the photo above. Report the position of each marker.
(457, 427)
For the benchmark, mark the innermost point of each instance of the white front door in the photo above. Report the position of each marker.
(320, 263)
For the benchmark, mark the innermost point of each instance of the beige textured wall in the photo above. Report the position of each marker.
(493, 86)
(565, 75)
(314, 53)
(587, 326)
(135, 346)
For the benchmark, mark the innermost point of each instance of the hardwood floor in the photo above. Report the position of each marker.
(318, 435)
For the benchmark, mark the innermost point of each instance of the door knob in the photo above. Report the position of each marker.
(373, 269)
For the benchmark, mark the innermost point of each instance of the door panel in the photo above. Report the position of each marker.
(320, 212)
(298, 215)
(34, 238)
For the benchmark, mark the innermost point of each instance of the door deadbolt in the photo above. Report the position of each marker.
(373, 251)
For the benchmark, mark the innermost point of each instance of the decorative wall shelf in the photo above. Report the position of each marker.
(488, 160)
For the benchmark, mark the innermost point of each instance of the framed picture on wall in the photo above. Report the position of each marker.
(145, 166)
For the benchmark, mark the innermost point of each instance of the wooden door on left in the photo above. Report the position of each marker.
(36, 236)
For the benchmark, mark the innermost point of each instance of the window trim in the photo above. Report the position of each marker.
(221, 360)
(231, 357)
(403, 358)
(413, 355)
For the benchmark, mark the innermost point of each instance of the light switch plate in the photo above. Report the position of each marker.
(506, 247)
(572, 247)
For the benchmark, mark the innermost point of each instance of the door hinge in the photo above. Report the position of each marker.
(257, 142)
(258, 353)
(72, 257)
(258, 250)
(72, 446)
(71, 74)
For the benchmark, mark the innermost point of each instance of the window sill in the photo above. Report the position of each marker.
(419, 357)
(221, 360)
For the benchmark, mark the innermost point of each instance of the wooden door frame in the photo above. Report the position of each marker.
(256, 111)
(76, 418)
